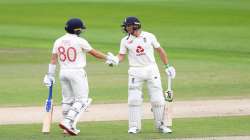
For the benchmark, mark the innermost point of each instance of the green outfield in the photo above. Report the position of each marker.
(207, 42)
(117, 130)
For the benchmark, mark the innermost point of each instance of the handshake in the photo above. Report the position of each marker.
(112, 60)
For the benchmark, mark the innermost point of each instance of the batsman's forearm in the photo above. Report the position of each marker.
(163, 56)
(101, 55)
(52, 65)
(53, 59)
(121, 57)
(97, 54)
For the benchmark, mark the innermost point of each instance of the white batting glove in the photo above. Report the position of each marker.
(112, 60)
(170, 71)
(48, 80)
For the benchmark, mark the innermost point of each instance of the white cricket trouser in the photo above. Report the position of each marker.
(149, 74)
(137, 76)
(74, 85)
(75, 92)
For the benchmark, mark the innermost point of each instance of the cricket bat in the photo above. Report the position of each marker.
(48, 112)
(169, 104)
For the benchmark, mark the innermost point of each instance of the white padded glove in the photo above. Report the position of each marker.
(112, 60)
(48, 80)
(170, 71)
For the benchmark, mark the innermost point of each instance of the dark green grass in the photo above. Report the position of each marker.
(183, 128)
(206, 41)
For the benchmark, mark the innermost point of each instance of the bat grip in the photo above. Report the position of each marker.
(50, 91)
(48, 105)
(169, 83)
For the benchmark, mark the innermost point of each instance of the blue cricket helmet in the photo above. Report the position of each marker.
(131, 20)
(74, 26)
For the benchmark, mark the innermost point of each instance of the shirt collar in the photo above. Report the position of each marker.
(68, 34)
(141, 35)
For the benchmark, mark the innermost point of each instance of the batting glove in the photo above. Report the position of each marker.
(48, 80)
(170, 71)
(112, 60)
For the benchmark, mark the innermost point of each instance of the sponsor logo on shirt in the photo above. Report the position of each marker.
(139, 51)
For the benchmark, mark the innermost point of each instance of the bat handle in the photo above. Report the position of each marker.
(50, 91)
(169, 83)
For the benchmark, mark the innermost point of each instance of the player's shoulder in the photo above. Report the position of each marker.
(82, 40)
(58, 40)
(125, 38)
(145, 33)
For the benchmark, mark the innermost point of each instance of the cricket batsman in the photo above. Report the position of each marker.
(140, 46)
(70, 52)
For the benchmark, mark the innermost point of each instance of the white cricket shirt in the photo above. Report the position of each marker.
(71, 51)
(140, 49)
